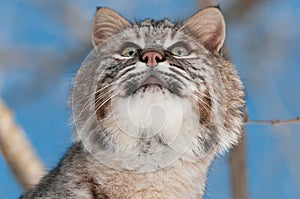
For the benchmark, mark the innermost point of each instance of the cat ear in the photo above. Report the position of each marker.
(106, 24)
(208, 27)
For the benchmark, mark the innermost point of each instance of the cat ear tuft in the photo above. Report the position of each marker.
(208, 27)
(106, 24)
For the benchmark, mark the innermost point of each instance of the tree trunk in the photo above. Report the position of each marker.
(17, 150)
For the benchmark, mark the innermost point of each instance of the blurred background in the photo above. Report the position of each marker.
(42, 44)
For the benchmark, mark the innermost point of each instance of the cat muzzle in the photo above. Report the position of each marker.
(152, 57)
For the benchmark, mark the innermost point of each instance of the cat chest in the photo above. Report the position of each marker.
(184, 182)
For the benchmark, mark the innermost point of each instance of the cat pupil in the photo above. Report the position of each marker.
(179, 52)
(131, 53)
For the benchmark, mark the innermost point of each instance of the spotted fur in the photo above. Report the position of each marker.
(149, 132)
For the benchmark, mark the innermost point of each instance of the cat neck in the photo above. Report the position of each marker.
(181, 179)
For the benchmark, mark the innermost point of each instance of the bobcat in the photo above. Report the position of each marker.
(153, 104)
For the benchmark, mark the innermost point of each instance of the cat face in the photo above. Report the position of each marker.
(157, 88)
(146, 57)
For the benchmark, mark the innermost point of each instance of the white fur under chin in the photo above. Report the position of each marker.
(149, 113)
(169, 124)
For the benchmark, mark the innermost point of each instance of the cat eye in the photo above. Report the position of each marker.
(130, 52)
(179, 49)
(129, 49)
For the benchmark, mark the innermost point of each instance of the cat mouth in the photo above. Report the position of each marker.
(152, 83)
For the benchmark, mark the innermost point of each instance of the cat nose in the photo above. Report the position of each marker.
(152, 58)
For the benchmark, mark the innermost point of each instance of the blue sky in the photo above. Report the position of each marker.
(264, 45)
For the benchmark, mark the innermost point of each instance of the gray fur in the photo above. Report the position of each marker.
(114, 157)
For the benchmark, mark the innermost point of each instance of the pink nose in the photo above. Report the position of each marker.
(152, 58)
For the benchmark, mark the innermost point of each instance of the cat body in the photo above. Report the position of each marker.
(152, 105)
(80, 175)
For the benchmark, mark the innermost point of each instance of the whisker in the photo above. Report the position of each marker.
(126, 71)
(92, 114)
(90, 97)
(92, 94)
(93, 100)
(204, 104)
(179, 73)
(213, 100)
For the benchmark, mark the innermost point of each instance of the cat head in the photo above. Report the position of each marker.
(206, 27)
(154, 88)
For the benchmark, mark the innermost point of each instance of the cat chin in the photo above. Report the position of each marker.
(151, 89)
(151, 110)
(152, 123)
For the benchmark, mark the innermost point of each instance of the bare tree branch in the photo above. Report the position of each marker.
(237, 161)
(207, 3)
(17, 151)
(240, 9)
(51, 66)
(68, 14)
(288, 121)
(238, 167)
